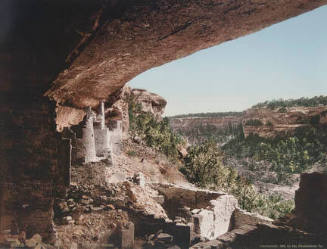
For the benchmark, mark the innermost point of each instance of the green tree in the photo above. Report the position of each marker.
(156, 134)
(204, 167)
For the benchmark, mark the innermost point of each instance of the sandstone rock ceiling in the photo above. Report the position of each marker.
(85, 50)
(151, 33)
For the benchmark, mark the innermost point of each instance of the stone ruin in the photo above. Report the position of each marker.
(116, 135)
(208, 214)
(97, 141)
(89, 65)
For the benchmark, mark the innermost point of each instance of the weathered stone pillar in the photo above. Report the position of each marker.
(88, 138)
(102, 116)
(101, 132)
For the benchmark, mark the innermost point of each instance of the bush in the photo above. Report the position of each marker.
(287, 155)
(282, 110)
(131, 153)
(203, 132)
(315, 119)
(203, 167)
(253, 122)
(156, 134)
(272, 206)
(269, 123)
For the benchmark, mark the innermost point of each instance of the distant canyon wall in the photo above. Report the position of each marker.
(282, 121)
(263, 122)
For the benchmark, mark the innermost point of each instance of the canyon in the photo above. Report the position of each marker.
(58, 58)
(260, 126)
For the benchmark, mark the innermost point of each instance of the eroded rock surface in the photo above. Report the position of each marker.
(264, 122)
(150, 102)
(149, 34)
(242, 218)
(311, 202)
(281, 122)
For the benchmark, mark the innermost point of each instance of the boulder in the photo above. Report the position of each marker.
(67, 220)
(32, 242)
(164, 237)
(242, 217)
(63, 207)
(159, 198)
(149, 102)
(139, 179)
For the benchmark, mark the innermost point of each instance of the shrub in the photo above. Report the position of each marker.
(253, 122)
(269, 123)
(287, 155)
(200, 133)
(203, 167)
(282, 110)
(131, 153)
(156, 134)
(315, 119)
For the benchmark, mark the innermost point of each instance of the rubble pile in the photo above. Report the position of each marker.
(9, 239)
(136, 212)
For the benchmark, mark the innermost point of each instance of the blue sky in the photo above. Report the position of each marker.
(286, 60)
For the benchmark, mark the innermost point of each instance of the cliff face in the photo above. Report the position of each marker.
(188, 123)
(117, 105)
(150, 102)
(263, 122)
(270, 123)
(199, 129)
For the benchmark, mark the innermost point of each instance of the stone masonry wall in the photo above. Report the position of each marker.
(102, 142)
(28, 152)
(209, 211)
(116, 136)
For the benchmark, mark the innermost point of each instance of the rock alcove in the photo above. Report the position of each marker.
(60, 57)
